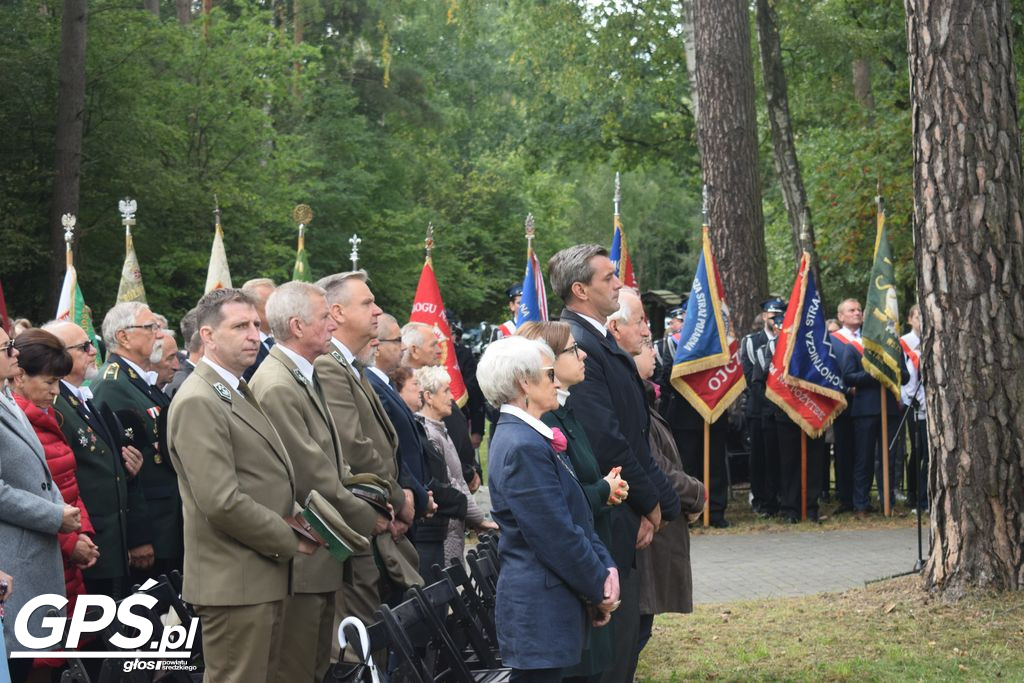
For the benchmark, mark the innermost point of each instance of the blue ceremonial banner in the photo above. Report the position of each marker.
(703, 340)
(533, 306)
(804, 378)
(706, 370)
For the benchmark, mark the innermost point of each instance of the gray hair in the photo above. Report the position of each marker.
(336, 285)
(414, 334)
(164, 324)
(291, 300)
(433, 378)
(120, 317)
(572, 265)
(387, 319)
(251, 285)
(190, 332)
(507, 362)
(626, 309)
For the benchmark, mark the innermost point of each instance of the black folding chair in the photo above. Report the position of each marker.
(343, 672)
(465, 630)
(485, 576)
(474, 602)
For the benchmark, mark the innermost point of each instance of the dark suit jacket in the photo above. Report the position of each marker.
(611, 405)
(261, 353)
(116, 504)
(413, 473)
(551, 558)
(179, 378)
(121, 388)
(867, 400)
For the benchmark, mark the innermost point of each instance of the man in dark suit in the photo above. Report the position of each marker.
(127, 384)
(611, 404)
(106, 470)
(260, 290)
(193, 351)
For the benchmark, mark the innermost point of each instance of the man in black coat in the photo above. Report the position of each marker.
(611, 405)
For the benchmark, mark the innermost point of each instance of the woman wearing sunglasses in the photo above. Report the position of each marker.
(32, 512)
(601, 492)
(556, 574)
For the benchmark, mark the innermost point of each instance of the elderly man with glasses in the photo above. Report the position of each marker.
(127, 387)
(105, 469)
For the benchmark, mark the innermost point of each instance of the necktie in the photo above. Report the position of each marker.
(269, 343)
(319, 392)
(246, 393)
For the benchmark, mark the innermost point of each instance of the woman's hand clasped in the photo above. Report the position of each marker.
(617, 486)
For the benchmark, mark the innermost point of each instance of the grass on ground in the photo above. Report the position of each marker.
(889, 631)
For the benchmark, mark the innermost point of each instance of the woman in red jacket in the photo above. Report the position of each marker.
(44, 361)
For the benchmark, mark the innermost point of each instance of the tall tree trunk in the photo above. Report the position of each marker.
(783, 144)
(184, 11)
(727, 136)
(152, 6)
(68, 133)
(862, 83)
(690, 48)
(969, 227)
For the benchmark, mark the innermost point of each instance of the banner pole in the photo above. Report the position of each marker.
(707, 471)
(885, 455)
(803, 476)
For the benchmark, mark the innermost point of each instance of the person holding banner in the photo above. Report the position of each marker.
(912, 395)
(849, 315)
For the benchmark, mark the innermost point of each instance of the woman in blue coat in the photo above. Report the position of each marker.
(556, 577)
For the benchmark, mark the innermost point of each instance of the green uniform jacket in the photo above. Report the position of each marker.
(116, 505)
(311, 440)
(599, 647)
(121, 388)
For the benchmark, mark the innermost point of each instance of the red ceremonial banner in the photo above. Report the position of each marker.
(713, 390)
(428, 308)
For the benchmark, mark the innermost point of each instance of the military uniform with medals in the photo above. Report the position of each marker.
(122, 388)
(117, 507)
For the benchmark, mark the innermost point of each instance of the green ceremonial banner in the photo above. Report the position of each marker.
(880, 334)
(301, 272)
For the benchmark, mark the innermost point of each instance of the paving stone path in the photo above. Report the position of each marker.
(740, 566)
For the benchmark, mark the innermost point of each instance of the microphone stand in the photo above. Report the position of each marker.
(913, 407)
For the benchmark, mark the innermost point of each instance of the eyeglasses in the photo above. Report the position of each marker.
(396, 340)
(8, 346)
(574, 349)
(84, 347)
(150, 327)
(550, 372)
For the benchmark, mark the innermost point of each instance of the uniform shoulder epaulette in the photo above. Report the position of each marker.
(338, 357)
(300, 377)
(222, 391)
(112, 369)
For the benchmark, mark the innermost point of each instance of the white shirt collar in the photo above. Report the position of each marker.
(225, 375)
(541, 428)
(380, 373)
(349, 356)
(264, 337)
(563, 396)
(304, 366)
(148, 375)
(849, 334)
(599, 326)
(83, 394)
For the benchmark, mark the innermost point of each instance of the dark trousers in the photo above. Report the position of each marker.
(789, 467)
(430, 554)
(845, 451)
(770, 439)
(764, 464)
(626, 622)
(161, 565)
(116, 588)
(19, 668)
(919, 462)
(867, 436)
(690, 443)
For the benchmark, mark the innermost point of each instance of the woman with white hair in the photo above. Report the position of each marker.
(435, 383)
(556, 575)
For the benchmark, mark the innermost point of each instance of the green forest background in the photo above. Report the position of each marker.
(390, 114)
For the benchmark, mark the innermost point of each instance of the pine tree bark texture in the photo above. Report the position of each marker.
(783, 143)
(68, 131)
(969, 232)
(727, 137)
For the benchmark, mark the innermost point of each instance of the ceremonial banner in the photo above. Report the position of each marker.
(71, 306)
(217, 275)
(428, 308)
(882, 354)
(130, 288)
(619, 255)
(534, 303)
(301, 271)
(5, 322)
(706, 369)
(804, 378)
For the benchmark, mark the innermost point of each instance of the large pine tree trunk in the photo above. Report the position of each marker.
(68, 133)
(970, 264)
(690, 48)
(783, 144)
(727, 136)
